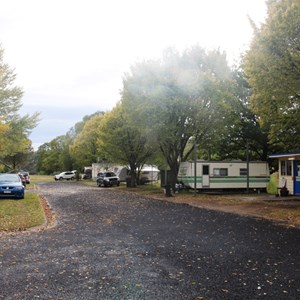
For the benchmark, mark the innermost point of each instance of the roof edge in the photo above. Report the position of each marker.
(291, 154)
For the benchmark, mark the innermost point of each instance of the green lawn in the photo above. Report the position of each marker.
(26, 213)
(21, 214)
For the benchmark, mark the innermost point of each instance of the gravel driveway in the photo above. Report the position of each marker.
(108, 244)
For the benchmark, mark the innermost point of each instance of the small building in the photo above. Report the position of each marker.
(289, 171)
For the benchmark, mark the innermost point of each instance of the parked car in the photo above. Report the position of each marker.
(107, 179)
(68, 175)
(11, 186)
(23, 179)
(26, 175)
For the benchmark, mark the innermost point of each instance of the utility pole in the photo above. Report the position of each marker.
(195, 167)
(247, 152)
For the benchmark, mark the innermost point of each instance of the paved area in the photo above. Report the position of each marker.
(113, 245)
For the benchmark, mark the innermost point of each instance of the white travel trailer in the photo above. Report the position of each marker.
(149, 173)
(213, 175)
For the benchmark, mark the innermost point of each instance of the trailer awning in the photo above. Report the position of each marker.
(291, 155)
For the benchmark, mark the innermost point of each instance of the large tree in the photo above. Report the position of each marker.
(241, 132)
(54, 156)
(122, 141)
(14, 129)
(10, 101)
(177, 99)
(84, 148)
(272, 66)
(17, 144)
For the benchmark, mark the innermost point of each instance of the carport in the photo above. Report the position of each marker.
(289, 170)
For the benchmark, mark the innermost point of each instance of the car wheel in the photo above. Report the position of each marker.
(60, 178)
(99, 183)
(72, 178)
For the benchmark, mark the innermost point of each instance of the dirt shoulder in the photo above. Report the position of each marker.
(281, 210)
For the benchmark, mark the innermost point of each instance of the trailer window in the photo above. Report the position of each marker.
(286, 168)
(205, 170)
(183, 171)
(243, 172)
(220, 172)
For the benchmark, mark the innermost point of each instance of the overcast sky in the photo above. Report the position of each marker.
(70, 55)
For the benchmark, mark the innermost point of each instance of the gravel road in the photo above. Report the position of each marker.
(110, 244)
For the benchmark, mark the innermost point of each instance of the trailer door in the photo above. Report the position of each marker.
(205, 176)
(297, 177)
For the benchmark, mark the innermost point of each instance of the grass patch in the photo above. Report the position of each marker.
(291, 214)
(38, 178)
(145, 189)
(21, 214)
(89, 182)
(41, 178)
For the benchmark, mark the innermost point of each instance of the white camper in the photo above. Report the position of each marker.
(148, 173)
(213, 175)
(122, 172)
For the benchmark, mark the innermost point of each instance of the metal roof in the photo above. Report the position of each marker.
(291, 154)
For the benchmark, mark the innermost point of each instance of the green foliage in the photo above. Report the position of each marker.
(79, 126)
(241, 127)
(74, 150)
(18, 146)
(54, 156)
(170, 104)
(10, 100)
(83, 148)
(178, 98)
(272, 66)
(15, 145)
(10, 95)
(121, 141)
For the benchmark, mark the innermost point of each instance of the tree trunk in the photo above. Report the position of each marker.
(131, 180)
(172, 180)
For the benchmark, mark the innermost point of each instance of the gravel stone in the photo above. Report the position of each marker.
(112, 245)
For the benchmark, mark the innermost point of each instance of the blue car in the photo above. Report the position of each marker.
(11, 186)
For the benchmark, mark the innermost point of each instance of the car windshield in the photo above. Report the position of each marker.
(110, 174)
(9, 178)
